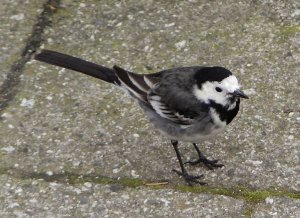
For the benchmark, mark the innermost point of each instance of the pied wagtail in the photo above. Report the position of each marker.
(186, 104)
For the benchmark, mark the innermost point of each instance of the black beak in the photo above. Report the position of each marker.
(239, 94)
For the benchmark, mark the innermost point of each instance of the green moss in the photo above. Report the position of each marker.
(243, 193)
(130, 182)
(289, 30)
(246, 194)
(293, 195)
(253, 196)
(80, 179)
(3, 171)
(210, 190)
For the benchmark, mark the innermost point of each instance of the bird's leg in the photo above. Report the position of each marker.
(188, 178)
(210, 164)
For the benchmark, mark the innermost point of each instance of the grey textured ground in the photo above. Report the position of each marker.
(17, 20)
(61, 131)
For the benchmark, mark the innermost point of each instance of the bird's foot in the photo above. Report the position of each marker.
(210, 164)
(190, 178)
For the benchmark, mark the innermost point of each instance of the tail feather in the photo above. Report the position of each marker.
(77, 64)
(137, 85)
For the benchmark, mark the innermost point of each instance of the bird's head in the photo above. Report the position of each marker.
(219, 85)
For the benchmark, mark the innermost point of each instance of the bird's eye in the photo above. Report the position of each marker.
(218, 89)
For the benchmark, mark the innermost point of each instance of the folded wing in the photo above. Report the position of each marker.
(165, 93)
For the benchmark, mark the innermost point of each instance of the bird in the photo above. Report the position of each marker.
(188, 104)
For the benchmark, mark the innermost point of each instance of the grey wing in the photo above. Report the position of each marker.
(180, 115)
(166, 112)
(159, 92)
(173, 97)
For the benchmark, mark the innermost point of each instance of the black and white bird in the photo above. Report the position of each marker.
(187, 104)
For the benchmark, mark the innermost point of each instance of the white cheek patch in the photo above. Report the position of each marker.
(208, 92)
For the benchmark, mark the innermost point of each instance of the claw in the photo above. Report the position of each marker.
(190, 178)
(210, 164)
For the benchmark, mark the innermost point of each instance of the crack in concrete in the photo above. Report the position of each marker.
(9, 88)
(250, 196)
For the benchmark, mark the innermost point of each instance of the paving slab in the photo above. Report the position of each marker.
(37, 198)
(17, 20)
(278, 207)
(65, 123)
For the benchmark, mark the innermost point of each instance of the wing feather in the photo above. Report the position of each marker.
(163, 110)
(133, 83)
(159, 92)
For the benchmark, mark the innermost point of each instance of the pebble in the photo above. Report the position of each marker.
(8, 149)
(181, 44)
(49, 173)
(269, 200)
(17, 17)
(29, 103)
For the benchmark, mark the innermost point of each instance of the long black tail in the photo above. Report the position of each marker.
(77, 64)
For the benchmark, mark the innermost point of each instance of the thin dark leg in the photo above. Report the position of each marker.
(188, 178)
(210, 164)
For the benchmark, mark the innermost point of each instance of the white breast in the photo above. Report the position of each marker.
(216, 118)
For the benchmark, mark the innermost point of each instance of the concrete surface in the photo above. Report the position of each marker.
(17, 19)
(74, 146)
